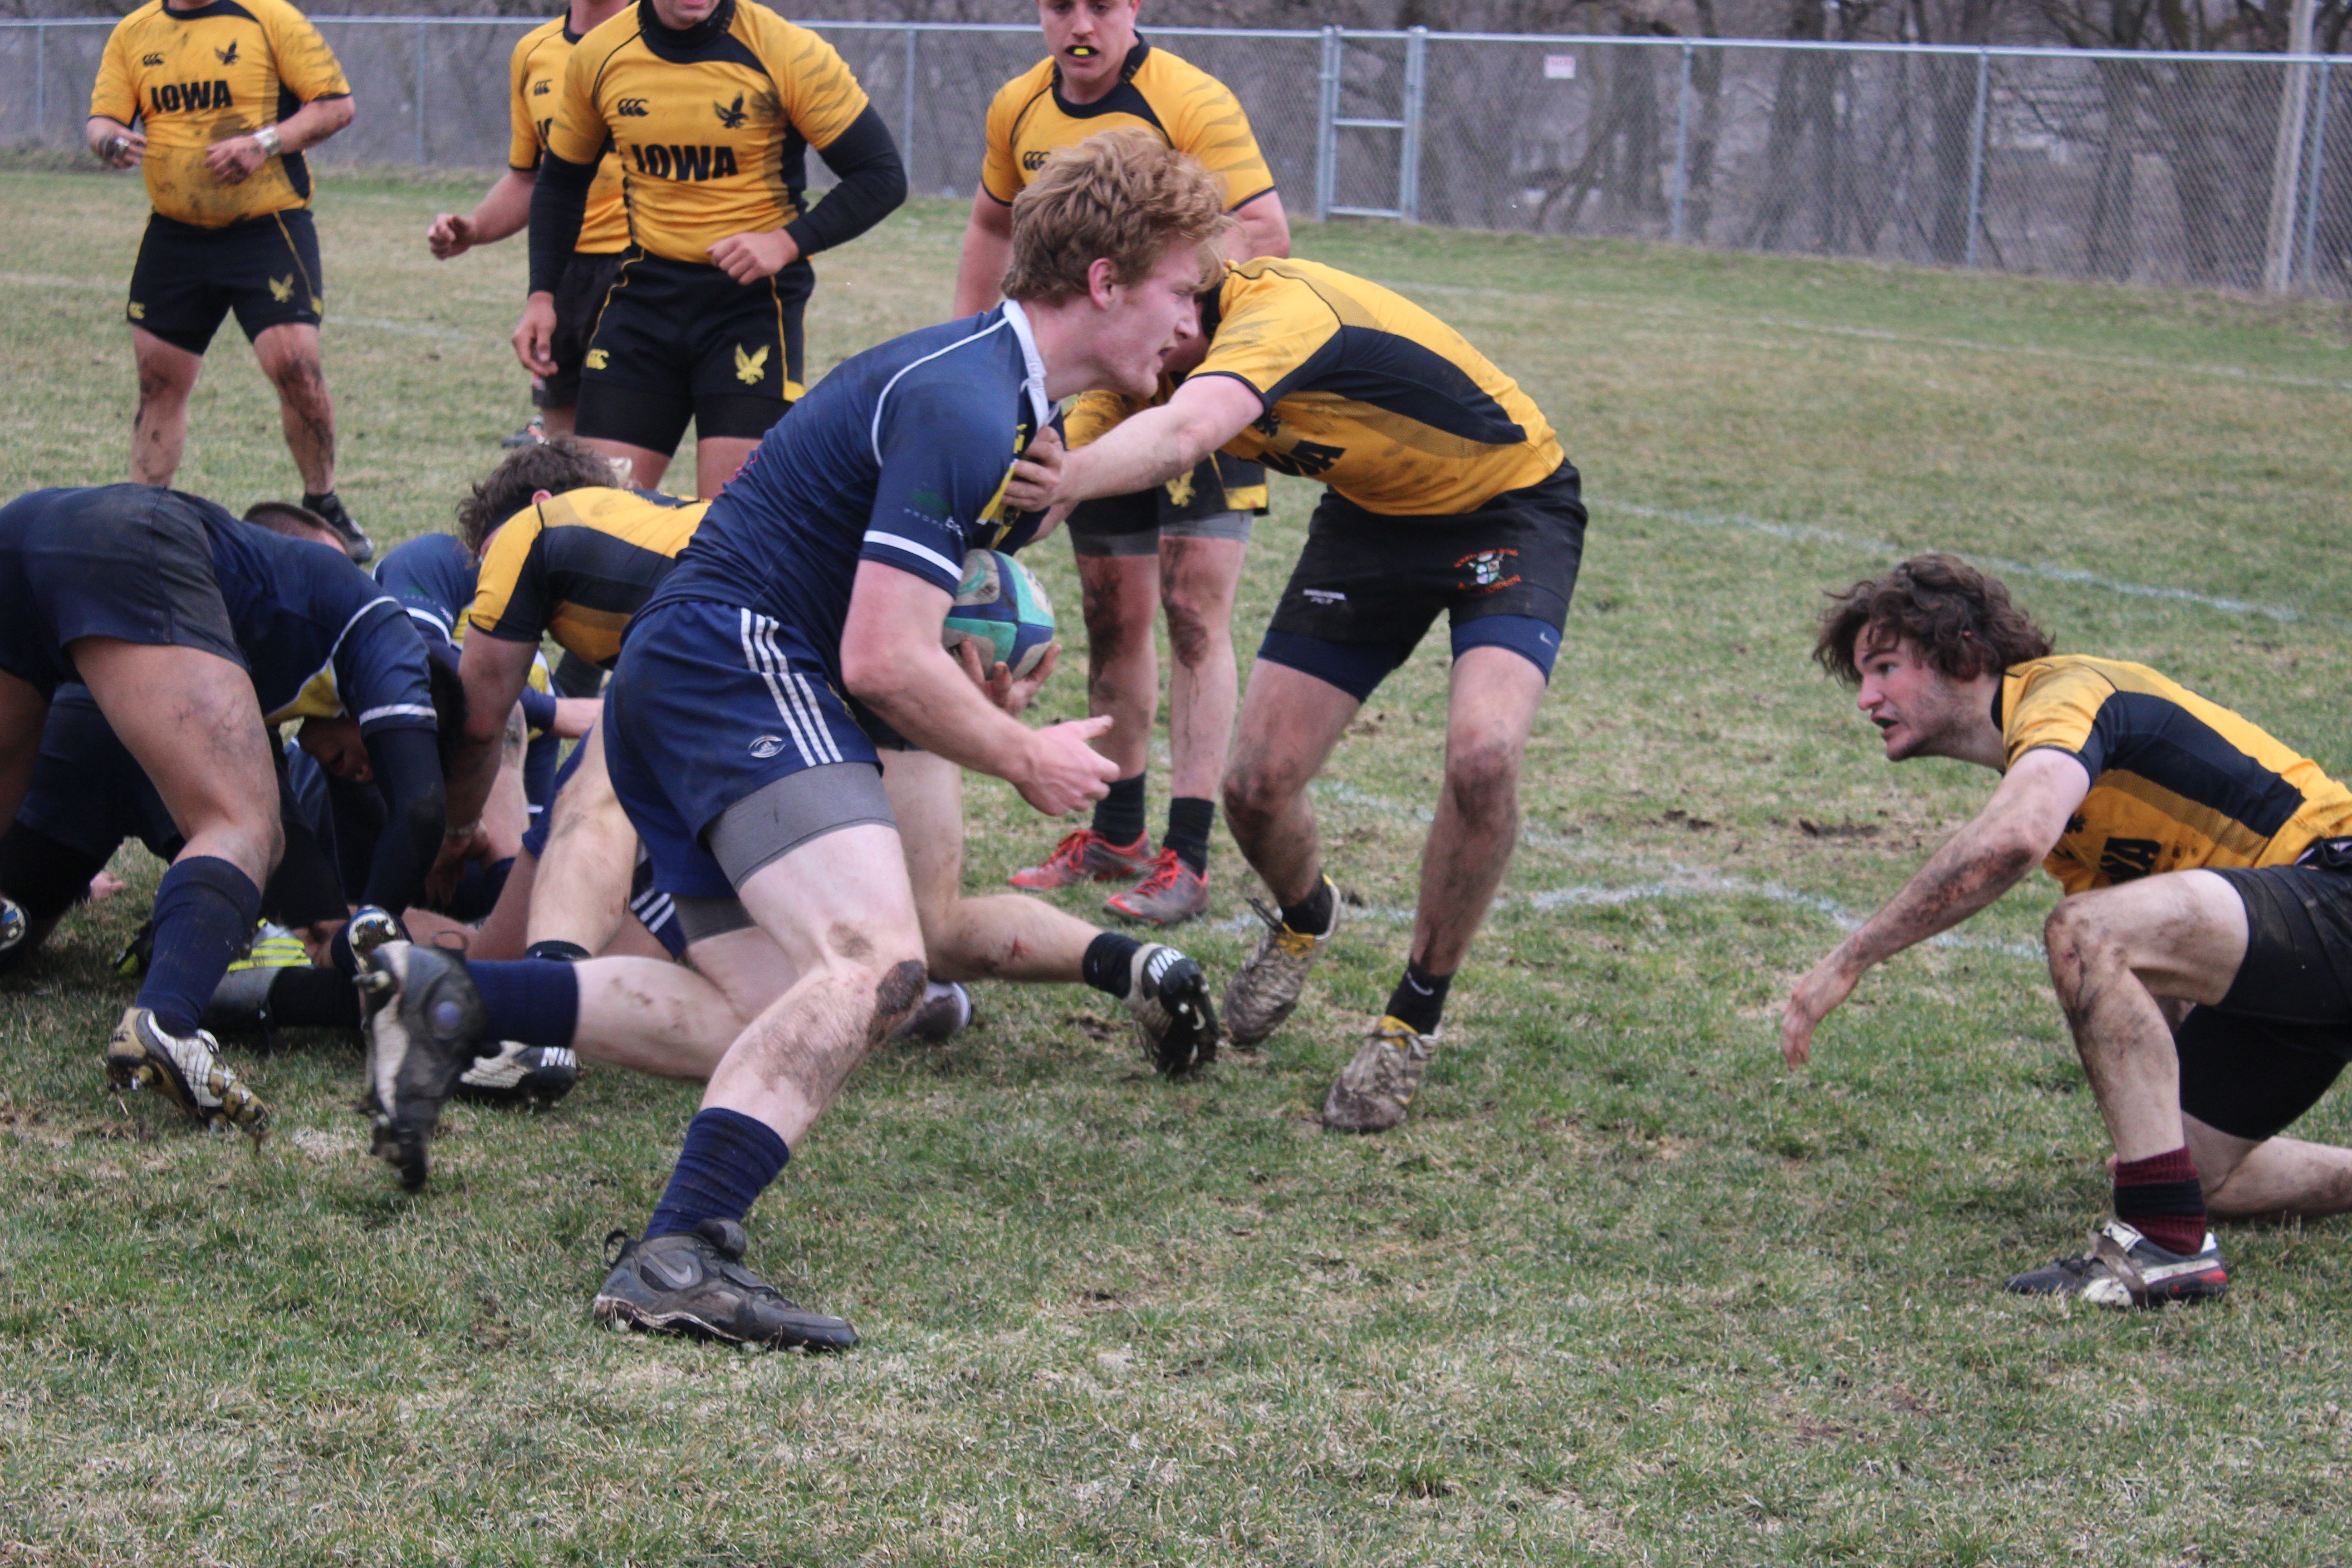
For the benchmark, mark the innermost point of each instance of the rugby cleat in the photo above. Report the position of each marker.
(2124, 1268)
(425, 1024)
(329, 508)
(137, 953)
(1168, 998)
(15, 925)
(520, 1075)
(531, 435)
(1171, 894)
(1373, 1089)
(188, 1071)
(695, 1283)
(945, 1012)
(240, 1003)
(1265, 990)
(1086, 856)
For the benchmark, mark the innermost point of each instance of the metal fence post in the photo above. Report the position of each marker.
(906, 134)
(1977, 154)
(1682, 147)
(1327, 135)
(1416, 81)
(40, 82)
(420, 93)
(2318, 172)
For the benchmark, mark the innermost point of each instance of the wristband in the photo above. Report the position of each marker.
(269, 140)
(459, 830)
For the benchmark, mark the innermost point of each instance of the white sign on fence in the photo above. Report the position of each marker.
(1560, 67)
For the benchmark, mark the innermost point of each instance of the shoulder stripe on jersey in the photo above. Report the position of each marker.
(399, 710)
(923, 552)
(432, 619)
(874, 430)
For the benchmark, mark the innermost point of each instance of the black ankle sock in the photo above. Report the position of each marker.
(310, 503)
(313, 999)
(1311, 917)
(1110, 964)
(1190, 817)
(1118, 816)
(1419, 1000)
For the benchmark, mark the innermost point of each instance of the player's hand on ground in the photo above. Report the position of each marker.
(1814, 998)
(1065, 772)
(534, 335)
(452, 235)
(449, 865)
(747, 258)
(124, 150)
(105, 885)
(1035, 480)
(234, 161)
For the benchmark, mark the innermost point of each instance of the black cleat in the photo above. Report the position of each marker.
(330, 511)
(695, 1284)
(425, 1024)
(1168, 997)
(520, 1075)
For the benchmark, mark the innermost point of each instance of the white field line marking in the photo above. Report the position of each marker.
(50, 281)
(1881, 334)
(1670, 879)
(1807, 534)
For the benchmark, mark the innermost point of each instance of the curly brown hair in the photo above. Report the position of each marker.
(1961, 620)
(559, 464)
(1123, 195)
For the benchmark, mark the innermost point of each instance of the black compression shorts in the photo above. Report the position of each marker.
(187, 278)
(678, 341)
(2268, 1050)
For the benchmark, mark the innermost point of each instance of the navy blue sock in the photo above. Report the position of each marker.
(530, 1001)
(728, 1162)
(1110, 964)
(1118, 816)
(203, 916)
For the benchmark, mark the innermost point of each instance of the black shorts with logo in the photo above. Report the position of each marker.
(1215, 501)
(679, 341)
(2264, 1053)
(187, 278)
(128, 562)
(579, 300)
(1365, 577)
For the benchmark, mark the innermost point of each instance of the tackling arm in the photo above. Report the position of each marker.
(1148, 449)
(494, 670)
(1992, 855)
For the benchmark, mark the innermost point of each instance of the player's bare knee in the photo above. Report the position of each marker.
(1193, 633)
(1484, 779)
(1250, 798)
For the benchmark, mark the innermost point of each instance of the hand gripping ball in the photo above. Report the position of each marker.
(1000, 605)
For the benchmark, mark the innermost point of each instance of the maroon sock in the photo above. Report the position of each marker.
(2161, 1198)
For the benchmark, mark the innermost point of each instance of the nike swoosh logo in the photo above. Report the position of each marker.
(670, 1274)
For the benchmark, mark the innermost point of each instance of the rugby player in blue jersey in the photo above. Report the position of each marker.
(800, 630)
(193, 631)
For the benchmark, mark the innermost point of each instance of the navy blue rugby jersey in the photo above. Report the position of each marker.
(901, 455)
(432, 577)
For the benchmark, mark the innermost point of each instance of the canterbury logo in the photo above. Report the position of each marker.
(1033, 161)
(731, 116)
(226, 56)
(676, 163)
(282, 289)
(750, 368)
(168, 97)
(631, 109)
(597, 359)
(542, 89)
(151, 60)
(138, 311)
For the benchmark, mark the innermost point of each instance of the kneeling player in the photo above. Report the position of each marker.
(1449, 494)
(2203, 953)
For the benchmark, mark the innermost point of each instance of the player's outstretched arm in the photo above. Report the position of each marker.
(495, 671)
(1979, 863)
(892, 659)
(504, 210)
(1149, 448)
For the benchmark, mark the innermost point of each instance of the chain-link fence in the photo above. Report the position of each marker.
(2233, 170)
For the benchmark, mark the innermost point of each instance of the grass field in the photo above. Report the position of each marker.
(1622, 1290)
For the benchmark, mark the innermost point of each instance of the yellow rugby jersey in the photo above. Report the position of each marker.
(536, 76)
(2178, 783)
(1183, 105)
(204, 76)
(1363, 390)
(578, 567)
(712, 138)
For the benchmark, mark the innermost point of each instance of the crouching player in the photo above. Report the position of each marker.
(803, 621)
(2203, 953)
(1448, 493)
(193, 631)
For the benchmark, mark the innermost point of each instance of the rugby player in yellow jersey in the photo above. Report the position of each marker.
(215, 102)
(711, 107)
(1447, 491)
(535, 73)
(1177, 545)
(2203, 952)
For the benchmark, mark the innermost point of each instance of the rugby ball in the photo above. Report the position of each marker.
(1000, 605)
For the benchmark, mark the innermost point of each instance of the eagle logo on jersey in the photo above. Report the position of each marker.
(597, 359)
(282, 290)
(731, 116)
(1180, 489)
(226, 56)
(750, 368)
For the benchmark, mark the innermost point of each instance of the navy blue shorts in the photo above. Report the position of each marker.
(534, 837)
(710, 704)
(88, 792)
(128, 562)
